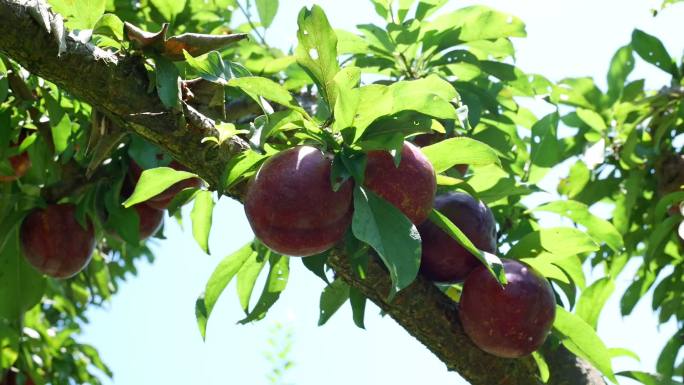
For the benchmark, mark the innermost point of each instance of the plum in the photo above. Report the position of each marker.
(410, 187)
(291, 206)
(151, 220)
(510, 321)
(443, 258)
(55, 243)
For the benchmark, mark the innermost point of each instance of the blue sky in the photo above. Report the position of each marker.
(148, 334)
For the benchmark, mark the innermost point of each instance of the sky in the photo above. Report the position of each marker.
(148, 333)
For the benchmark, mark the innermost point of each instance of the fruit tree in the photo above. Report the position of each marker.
(393, 161)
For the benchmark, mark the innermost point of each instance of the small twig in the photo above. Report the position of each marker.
(409, 70)
(251, 24)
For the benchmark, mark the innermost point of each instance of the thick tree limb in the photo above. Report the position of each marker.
(118, 86)
(115, 84)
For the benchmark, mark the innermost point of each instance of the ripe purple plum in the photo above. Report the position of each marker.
(410, 187)
(55, 243)
(443, 258)
(510, 321)
(291, 205)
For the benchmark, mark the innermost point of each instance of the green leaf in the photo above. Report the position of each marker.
(599, 229)
(21, 286)
(659, 236)
(388, 132)
(201, 315)
(9, 346)
(404, 6)
(280, 121)
(546, 149)
(450, 152)
(428, 7)
(392, 235)
(572, 266)
(317, 51)
(652, 50)
(267, 10)
(473, 23)
(241, 167)
(560, 241)
(220, 278)
(275, 284)
(61, 132)
(358, 305)
(664, 204)
(635, 291)
(268, 89)
(621, 66)
(667, 359)
(209, 66)
(623, 352)
(579, 338)
(79, 14)
(491, 261)
(624, 203)
(166, 81)
(382, 8)
(350, 43)
(648, 378)
(184, 197)
(154, 181)
(126, 221)
(4, 92)
(111, 26)
(592, 118)
(99, 271)
(378, 39)
(430, 96)
(593, 299)
(332, 298)
(169, 9)
(316, 265)
(248, 274)
(347, 101)
(201, 216)
(577, 179)
(544, 373)
(545, 266)
(581, 92)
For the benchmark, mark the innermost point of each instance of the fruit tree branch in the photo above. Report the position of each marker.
(432, 318)
(118, 85)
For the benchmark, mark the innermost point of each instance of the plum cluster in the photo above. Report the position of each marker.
(57, 244)
(292, 209)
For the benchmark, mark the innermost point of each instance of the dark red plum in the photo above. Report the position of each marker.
(443, 258)
(510, 321)
(55, 243)
(291, 206)
(151, 220)
(410, 187)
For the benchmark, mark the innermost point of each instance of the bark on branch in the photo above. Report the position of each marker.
(119, 86)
